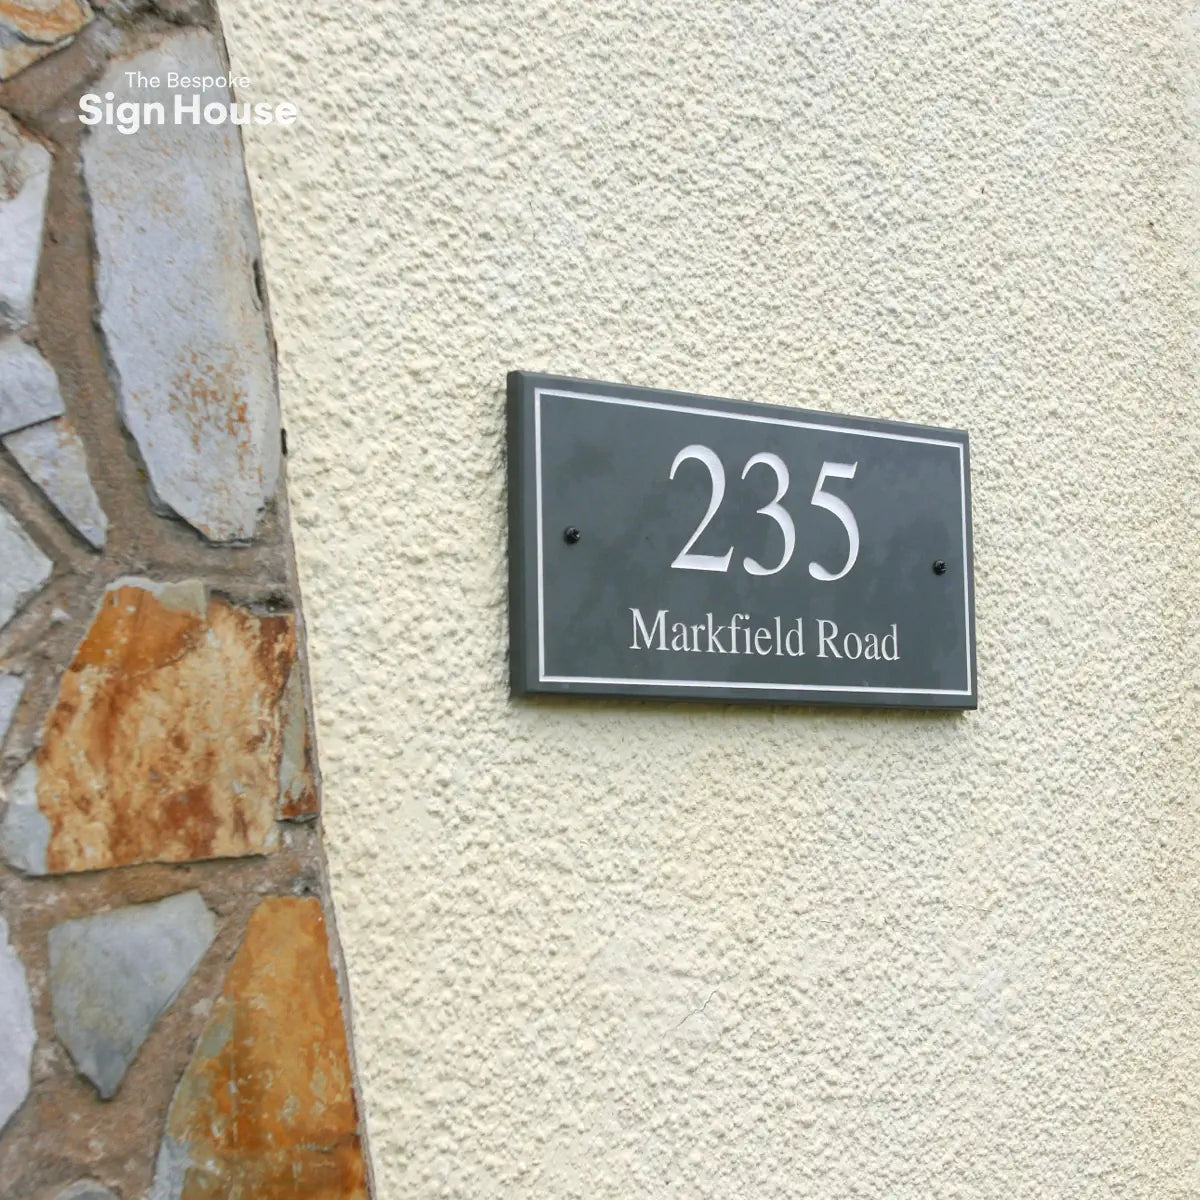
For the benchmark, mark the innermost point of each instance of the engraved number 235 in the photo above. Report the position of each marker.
(685, 560)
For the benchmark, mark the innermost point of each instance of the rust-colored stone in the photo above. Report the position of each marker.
(166, 741)
(265, 1108)
(31, 29)
(297, 789)
(46, 21)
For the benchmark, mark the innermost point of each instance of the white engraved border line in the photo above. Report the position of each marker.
(538, 393)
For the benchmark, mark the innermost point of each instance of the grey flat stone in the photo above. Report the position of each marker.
(28, 386)
(86, 1189)
(11, 687)
(178, 304)
(24, 180)
(170, 1169)
(16, 1030)
(25, 568)
(113, 975)
(52, 455)
(183, 12)
(16, 53)
(25, 832)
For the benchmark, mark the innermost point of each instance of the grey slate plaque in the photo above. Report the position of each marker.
(671, 545)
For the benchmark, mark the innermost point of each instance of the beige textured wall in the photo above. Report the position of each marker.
(619, 950)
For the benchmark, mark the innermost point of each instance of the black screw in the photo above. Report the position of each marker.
(939, 566)
(571, 535)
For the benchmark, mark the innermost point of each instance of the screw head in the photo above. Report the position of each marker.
(571, 535)
(939, 566)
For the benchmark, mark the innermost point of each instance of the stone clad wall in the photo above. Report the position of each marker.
(172, 1021)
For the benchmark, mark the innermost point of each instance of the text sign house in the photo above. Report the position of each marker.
(664, 544)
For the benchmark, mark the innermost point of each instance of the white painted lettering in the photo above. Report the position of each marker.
(798, 634)
(658, 629)
(895, 651)
(826, 639)
(740, 636)
(733, 632)
(714, 644)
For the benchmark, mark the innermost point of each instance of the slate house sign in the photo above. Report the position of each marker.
(670, 545)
